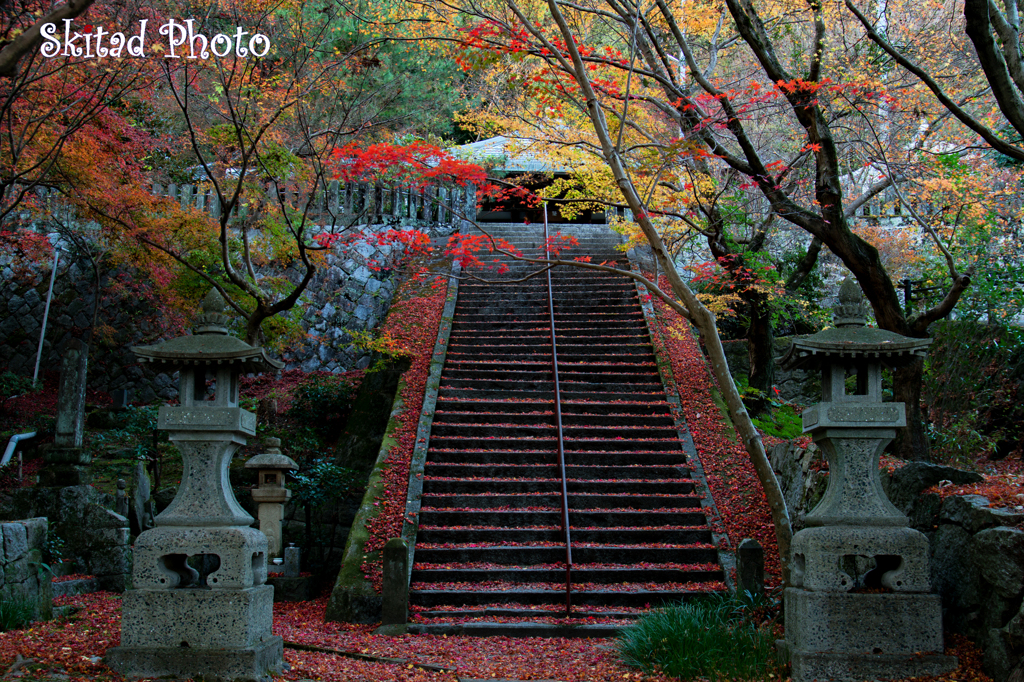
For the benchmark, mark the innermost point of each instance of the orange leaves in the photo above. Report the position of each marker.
(799, 85)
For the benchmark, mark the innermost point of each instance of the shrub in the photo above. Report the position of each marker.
(973, 387)
(782, 422)
(14, 384)
(323, 403)
(720, 638)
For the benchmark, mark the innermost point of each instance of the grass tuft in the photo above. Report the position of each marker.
(719, 638)
(15, 614)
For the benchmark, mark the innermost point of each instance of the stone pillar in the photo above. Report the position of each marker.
(395, 589)
(750, 567)
(71, 396)
(292, 561)
(66, 462)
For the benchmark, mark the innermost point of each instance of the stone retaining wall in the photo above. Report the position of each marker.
(95, 538)
(345, 294)
(24, 579)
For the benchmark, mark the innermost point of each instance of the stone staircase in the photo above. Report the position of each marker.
(490, 550)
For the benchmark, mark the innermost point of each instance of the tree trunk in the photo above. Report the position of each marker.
(912, 442)
(761, 351)
(700, 315)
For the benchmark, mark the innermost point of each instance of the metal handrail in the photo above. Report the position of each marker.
(561, 441)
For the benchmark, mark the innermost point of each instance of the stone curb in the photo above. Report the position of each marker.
(411, 524)
(70, 588)
(726, 553)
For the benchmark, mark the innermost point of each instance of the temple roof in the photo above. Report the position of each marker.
(516, 155)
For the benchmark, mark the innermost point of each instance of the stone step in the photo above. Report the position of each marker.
(433, 485)
(488, 535)
(572, 471)
(551, 517)
(581, 501)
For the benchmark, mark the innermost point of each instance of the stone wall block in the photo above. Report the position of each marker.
(1001, 657)
(904, 486)
(924, 511)
(952, 577)
(327, 303)
(17, 571)
(35, 531)
(999, 558)
(15, 541)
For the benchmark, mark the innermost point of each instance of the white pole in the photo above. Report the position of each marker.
(46, 315)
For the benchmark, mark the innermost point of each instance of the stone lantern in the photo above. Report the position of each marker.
(859, 605)
(270, 493)
(199, 606)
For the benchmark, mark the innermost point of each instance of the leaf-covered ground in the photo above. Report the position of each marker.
(411, 327)
(72, 649)
(740, 502)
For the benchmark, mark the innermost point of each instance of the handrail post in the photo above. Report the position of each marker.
(558, 421)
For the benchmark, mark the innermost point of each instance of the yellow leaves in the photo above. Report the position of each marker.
(700, 17)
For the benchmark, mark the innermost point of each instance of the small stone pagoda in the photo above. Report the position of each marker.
(859, 606)
(271, 493)
(199, 606)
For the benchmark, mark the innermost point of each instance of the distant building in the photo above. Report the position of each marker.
(515, 161)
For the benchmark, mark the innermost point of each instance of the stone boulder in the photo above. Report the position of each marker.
(802, 486)
(906, 484)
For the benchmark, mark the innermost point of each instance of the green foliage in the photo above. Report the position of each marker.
(996, 294)
(720, 638)
(322, 481)
(323, 403)
(53, 551)
(15, 613)
(382, 346)
(133, 428)
(959, 441)
(12, 384)
(974, 375)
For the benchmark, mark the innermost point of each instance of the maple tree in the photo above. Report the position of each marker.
(21, 31)
(269, 139)
(687, 103)
(685, 112)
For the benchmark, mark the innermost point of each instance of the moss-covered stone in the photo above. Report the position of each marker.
(354, 599)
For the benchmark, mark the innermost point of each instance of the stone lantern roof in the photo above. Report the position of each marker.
(273, 458)
(210, 344)
(851, 339)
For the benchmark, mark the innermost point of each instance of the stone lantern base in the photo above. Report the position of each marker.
(851, 637)
(216, 634)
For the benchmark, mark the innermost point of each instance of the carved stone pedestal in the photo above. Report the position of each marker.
(223, 634)
(856, 637)
(65, 466)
